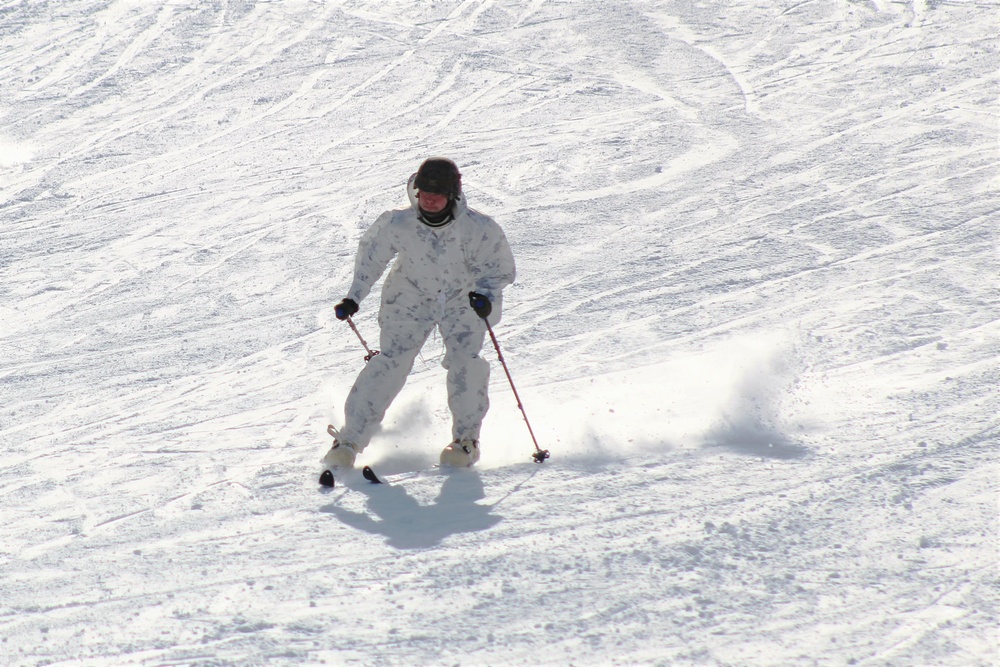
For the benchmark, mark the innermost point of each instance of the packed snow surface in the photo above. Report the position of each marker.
(756, 323)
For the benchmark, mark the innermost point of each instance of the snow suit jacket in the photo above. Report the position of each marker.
(468, 254)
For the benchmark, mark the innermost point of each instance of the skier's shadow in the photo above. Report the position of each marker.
(406, 524)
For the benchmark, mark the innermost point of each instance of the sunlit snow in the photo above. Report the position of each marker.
(756, 323)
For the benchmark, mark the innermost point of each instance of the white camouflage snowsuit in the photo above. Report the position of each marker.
(428, 286)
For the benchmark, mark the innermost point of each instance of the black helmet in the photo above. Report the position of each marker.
(439, 175)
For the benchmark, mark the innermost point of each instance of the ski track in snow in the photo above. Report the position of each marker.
(756, 322)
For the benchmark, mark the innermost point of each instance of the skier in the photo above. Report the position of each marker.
(451, 265)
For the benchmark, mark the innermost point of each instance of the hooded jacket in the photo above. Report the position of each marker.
(468, 254)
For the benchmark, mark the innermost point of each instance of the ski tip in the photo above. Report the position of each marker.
(326, 479)
(370, 475)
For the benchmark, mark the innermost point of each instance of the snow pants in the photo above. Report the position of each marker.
(406, 320)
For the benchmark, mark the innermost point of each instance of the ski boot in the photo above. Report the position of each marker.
(340, 457)
(460, 454)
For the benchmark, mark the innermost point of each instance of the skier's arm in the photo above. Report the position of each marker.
(493, 267)
(375, 251)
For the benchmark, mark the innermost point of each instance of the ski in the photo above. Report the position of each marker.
(389, 480)
(327, 480)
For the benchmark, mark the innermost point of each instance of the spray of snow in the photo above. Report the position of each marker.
(751, 420)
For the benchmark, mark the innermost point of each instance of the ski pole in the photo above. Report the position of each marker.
(371, 353)
(540, 454)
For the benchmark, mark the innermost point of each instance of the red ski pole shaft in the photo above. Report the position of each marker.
(540, 454)
(363, 343)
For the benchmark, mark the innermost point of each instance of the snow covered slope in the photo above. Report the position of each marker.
(756, 322)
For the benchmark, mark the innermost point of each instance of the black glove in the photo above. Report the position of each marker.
(345, 309)
(480, 304)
